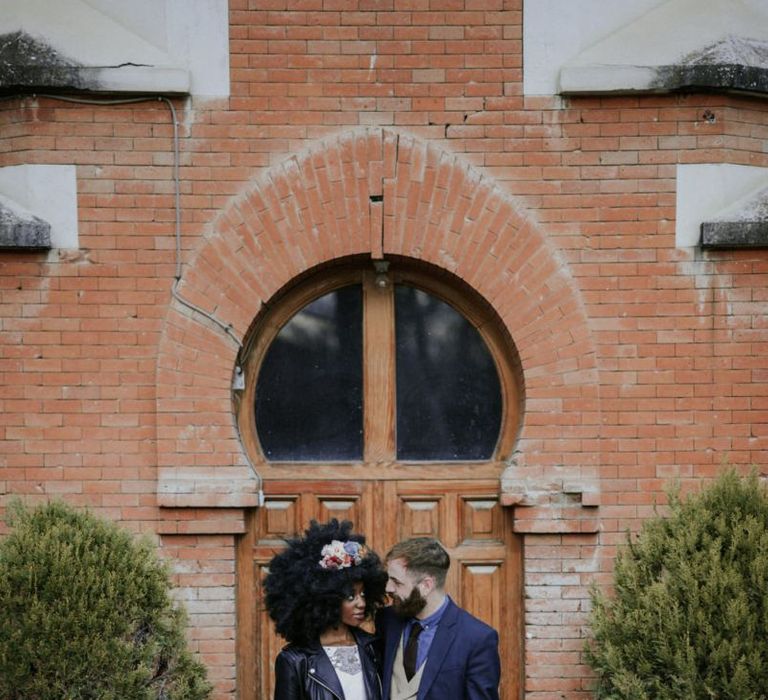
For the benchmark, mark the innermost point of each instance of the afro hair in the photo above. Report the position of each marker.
(303, 598)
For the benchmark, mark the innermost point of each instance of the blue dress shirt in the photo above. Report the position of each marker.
(429, 627)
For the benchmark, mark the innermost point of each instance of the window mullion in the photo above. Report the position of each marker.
(379, 371)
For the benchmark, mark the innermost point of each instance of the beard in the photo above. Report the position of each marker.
(410, 606)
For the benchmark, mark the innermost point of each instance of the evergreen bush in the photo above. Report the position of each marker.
(86, 612)
(688, 618)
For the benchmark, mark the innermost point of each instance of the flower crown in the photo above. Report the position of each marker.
(341, 555)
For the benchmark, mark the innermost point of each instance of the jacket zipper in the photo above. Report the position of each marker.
(378, 680)
(319, 682)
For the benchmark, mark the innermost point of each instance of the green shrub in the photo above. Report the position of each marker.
(689, 615)
(86, 612)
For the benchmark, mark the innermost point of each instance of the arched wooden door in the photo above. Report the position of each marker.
(389, 482)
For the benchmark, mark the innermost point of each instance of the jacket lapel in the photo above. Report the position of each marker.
(393, 635)
(320, 669)
(368, 658)
(438, 651)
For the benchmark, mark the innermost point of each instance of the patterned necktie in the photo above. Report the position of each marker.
(411, 650)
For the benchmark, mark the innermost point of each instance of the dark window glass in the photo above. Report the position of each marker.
(448, 391)
(309, 394)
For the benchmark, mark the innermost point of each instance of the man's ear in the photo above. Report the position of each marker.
(429, 583)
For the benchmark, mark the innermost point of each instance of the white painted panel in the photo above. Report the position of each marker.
(556, 31)
(147, 18)
(703, 191)
(137, 46)
(198, 33)
(600, 46)
(49, 192)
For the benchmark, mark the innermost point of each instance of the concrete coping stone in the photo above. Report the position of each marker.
(29, 63)
(731, 64)
(21, 230)
(742, 225)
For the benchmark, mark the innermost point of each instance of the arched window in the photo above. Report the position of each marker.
(309, 391)
(355, 366)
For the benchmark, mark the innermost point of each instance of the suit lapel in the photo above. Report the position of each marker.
(438, 651)
(393, 635)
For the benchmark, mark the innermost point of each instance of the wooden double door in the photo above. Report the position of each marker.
(486, 557)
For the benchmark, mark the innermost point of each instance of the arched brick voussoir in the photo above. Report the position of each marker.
(443, 211)
(313, 207)
(379, 192)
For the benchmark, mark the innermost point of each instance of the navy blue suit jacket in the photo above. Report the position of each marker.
(463, 661)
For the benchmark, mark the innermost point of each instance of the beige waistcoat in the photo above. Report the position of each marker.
(403, 689)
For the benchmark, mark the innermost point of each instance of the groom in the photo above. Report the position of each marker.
(433, 650)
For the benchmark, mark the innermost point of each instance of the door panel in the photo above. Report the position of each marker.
(279, 518)
(486, 563)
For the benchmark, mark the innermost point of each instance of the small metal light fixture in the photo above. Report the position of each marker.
(382, 278)
(238, 380)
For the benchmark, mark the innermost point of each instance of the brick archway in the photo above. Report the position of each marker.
(378, 192)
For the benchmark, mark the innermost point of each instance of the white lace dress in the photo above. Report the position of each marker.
(349, 669)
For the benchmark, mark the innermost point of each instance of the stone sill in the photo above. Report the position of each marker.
(619, 79)
(734, 234)
(129, 79)
(224, 490)
(552, 506)
(23, 232)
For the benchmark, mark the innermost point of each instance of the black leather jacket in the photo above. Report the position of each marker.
(306, 673)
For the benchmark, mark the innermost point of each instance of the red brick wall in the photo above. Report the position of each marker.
(642, 362)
